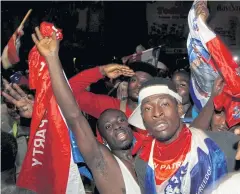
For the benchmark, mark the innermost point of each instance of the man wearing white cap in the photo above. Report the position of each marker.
(179, 159)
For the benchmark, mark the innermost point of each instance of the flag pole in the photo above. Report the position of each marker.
(26, 17)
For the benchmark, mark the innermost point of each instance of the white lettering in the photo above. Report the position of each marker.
(175, 180)
(41, 133)
(41, 68)
(156, 165)
(205, 180)
(35, 151)
(36, 162)
(175, 165)
(39, 144)
(42, 123)
(168, 167)
(162, 166)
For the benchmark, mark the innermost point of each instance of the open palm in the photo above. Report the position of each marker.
(47, 46)
(16, 96)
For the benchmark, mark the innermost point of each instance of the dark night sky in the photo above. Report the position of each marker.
(125, 26)
(125, 22)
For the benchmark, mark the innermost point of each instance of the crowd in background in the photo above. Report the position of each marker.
(98, 91)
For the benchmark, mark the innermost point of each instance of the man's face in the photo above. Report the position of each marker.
(218, 122)
(181, 82)
(161, 118)
(135, 83)
(114, 127)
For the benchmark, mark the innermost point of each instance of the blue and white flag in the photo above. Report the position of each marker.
(209, 58)
(203, 166)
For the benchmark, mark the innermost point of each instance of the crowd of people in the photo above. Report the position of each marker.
(149, 138)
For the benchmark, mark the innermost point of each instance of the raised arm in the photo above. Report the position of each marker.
(49, 47)
(98, 158)
(95, 104)
(203, 120)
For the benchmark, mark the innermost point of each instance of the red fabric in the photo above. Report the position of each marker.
(94, 104)
(229, 99)
(24, 81)
(12, 50)
(166, 156)
(47, 126)
(231, 106)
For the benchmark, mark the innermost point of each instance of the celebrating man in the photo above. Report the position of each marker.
(113, 127)
(178, 158)
(95, 104)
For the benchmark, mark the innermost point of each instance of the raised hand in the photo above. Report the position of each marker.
(15, 95)
(217, 86)
(47, 46)
(202, 10)
(113, 71)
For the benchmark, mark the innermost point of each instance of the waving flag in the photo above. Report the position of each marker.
(147, 56)
(209, 58)
(201, 168)
(48, 166)
(10, 55)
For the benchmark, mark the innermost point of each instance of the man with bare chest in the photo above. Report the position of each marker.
(113, 170)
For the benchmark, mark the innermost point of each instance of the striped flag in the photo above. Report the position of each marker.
(148, 56)
(202, 167)
(209, 58)
(48, 166)
(10, 55)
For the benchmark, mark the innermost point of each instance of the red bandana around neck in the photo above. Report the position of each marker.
(167, 158)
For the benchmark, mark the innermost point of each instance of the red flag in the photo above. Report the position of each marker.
(10, 55)
(229, 99)
(46, 168)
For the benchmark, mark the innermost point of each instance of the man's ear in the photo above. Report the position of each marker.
(180, 109)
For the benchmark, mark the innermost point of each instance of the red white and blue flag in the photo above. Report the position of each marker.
(48, 166)
(209, 58)
(147, 56)
(201, 168)
(10, 55)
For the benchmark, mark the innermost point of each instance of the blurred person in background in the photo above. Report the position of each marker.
(9, 150)
(8, 157)
(181, 79)
(17, 120)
